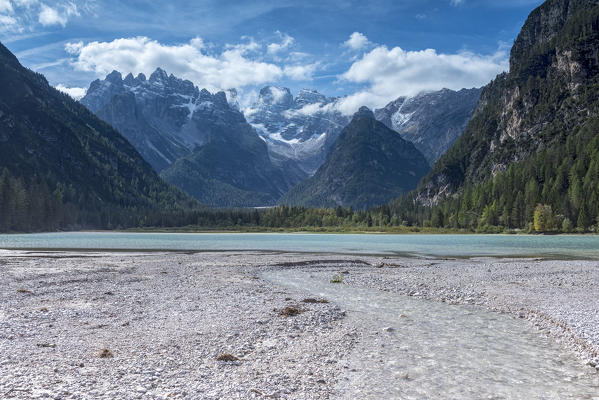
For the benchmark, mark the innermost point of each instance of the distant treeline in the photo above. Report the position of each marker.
(514, 200)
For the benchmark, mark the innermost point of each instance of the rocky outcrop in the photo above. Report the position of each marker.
(546, 94)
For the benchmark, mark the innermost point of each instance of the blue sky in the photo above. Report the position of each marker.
(372, 51)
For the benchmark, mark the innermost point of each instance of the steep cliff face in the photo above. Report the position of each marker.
(548, 94)
(369, 165)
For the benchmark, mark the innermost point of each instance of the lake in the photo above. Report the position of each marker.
(566, 246)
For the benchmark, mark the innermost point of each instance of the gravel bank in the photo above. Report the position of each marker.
(127, 325)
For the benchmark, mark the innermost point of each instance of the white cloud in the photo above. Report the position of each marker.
(7, 22)
(300, 72)
(389, 74)
(57, 16)
(232, 68)
(6, 7)
(356, 41)
(74, 92)
(456, 3)
(286, 42)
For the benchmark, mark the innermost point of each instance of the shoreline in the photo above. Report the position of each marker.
(322, 230)
(178, 311)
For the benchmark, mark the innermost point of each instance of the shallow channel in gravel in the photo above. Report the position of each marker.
(413, 349)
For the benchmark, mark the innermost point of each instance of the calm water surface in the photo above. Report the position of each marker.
(422, 245)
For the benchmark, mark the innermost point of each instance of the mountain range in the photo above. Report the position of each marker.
(203, 143)
(195, 139)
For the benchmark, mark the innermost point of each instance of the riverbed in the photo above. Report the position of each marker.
(227, 325)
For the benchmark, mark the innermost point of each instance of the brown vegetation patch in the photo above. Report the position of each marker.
(105, 353)
(315, 301)
(291, 311)
(227, 357)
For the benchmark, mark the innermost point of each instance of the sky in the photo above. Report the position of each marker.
(368, 52)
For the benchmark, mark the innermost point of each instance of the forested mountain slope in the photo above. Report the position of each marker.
(533, 138)
(63, 167)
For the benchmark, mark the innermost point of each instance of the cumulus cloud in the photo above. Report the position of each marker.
(390, 73)
(235, 67)
(300, 72)
(286, 42)
(74, 92)
(356, 41)
(60, 15)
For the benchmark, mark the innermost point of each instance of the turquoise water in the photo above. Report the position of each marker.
(421, 245)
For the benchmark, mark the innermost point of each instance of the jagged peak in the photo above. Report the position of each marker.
(129, 79)
(221, 97)
(158, 74)
(114, 77)
(309, 96)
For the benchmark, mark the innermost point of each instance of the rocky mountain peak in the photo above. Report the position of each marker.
(433, 120)
(114, 77)
(308, 96)
(129, 80)
(159, 75)
(364, 112)
(544, 23)
(221, 98)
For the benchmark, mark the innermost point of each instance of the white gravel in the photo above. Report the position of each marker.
(165, 317)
